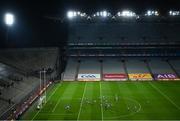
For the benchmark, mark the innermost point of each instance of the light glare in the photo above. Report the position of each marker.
(174, 13)
(126, 13)
(104, 14)
(152, 13)
(73, 14)
(70, 14)
(9, 19)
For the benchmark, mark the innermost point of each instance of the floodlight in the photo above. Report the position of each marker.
(156, 13)
(104, 13)
(151, 13)
(119, 13)
(98, 13)
(83, 14)
(9, 19)
(78, 13)
(170, 12)
(126, 13)
(74, 13)
(70, 14)
(101, 13)
(174, 13)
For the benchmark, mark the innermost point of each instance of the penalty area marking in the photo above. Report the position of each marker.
(56, 104)
(46, 101)
(54, 114)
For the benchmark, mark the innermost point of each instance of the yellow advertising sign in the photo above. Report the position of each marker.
(140, 76)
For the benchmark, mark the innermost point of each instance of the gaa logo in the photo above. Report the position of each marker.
(88, 76)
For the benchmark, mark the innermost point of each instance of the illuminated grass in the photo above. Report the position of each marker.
(88, 101)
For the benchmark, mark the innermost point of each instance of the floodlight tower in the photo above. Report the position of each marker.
(9, 21)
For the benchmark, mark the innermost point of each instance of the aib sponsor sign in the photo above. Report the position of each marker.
(114, 77)
(165, 77)
(89, 77)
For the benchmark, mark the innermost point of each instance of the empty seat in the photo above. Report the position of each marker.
(89, 66)
(70, 71)
(112, 66)
(176, 65)
(159, 66)
(136, 66)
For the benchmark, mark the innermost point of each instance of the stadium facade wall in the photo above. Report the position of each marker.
(130, 32)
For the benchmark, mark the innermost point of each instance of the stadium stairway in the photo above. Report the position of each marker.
(3, 106)
(77, 69)
(70, 70)
(176, 64)
(101, 69)
(149, 68)
(159, 66)
(172, 67)
(125, 68)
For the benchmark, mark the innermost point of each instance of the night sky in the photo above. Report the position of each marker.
(33, 29)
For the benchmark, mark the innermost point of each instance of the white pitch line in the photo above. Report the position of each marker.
(101, 102)
(172, 102)
(46, 102)
(55, 114)
(81, 102)
(56, 104)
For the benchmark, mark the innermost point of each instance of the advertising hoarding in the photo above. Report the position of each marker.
(115, 77)
(140, 76)
(169, 76)
(89, 77)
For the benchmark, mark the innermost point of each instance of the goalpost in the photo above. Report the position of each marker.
(42, 99)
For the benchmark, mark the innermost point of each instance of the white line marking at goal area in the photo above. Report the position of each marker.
(172, 102)
(81, 101)
(101, 102)
(46, 102)
(56, 104)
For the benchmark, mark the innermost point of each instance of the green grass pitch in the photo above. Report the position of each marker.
(109, 101)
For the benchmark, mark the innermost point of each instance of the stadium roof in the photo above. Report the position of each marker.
(32, 28)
